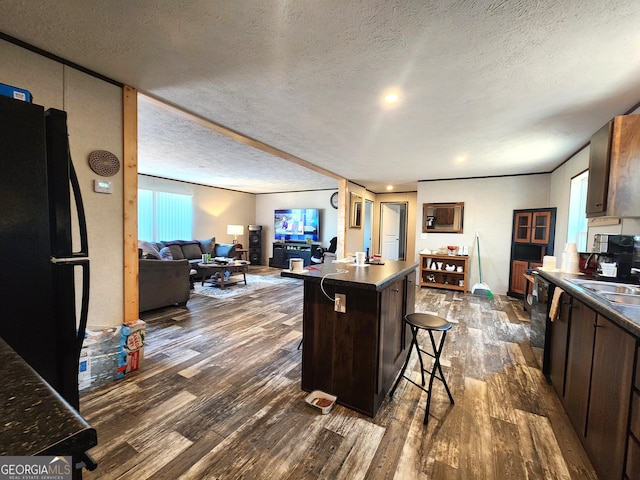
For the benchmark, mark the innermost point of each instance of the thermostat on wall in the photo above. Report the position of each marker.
(102, 186)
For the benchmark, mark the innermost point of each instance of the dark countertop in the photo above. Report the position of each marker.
(628, 317)
(370, 277)
(36, 420)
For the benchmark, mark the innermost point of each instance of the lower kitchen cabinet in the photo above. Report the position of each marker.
(559, 344)
(632, 470)
(579, 360)
(592, 369)
(611, 381)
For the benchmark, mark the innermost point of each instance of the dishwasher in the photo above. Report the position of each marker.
(540, 323)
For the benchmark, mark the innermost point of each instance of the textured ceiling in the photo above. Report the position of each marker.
(171, 145)
(514, 86)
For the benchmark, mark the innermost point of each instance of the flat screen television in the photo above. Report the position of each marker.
(296, 224)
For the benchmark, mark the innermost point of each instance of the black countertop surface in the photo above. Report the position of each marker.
(628, 317)
(36, 420)
(369, 277)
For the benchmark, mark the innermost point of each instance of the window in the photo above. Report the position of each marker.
(164, 216)
(577, 229)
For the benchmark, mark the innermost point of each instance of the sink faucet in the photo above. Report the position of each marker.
(587, 262)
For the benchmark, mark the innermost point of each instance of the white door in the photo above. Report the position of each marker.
(390, 232)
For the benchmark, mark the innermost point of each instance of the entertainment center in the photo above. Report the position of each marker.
(285, 251)
(296, 235)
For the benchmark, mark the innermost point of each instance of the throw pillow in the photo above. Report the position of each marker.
(192, 250)
(165, 254)
(176, 251)
(208, 245)
(149, 250)
(227, 250)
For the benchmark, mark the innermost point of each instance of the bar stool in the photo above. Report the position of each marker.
(430, 323)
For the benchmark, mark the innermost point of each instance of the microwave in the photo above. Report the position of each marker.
(614, 244)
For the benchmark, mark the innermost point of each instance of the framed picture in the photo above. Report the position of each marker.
(442, 217)
(356, 210)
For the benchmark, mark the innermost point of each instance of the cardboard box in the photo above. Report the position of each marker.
(99, 357)
(133, 360)
(131, 347)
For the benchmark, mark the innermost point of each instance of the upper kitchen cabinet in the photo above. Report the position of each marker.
(614, 169)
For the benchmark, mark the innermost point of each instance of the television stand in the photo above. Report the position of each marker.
(285, 251)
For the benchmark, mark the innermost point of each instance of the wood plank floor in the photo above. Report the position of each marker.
(219, 398)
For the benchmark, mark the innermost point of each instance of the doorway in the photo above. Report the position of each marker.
(393, 231)
(368, 226)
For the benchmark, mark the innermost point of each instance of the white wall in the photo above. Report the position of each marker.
(213, 208)
(320, 199)
(560, 193)
(488, 209)
(94, 117)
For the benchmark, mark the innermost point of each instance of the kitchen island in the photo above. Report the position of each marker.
(36, 419)
(355, 355)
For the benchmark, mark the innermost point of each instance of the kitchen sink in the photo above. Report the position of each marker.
(607, 287)
(622, 293)
(624, 298)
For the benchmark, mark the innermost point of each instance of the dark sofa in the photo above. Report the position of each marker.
(167, 269)
(162, 283)
(192, 250)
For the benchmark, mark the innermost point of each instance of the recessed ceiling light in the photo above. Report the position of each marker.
(391, 97)
(460, 159)
(389, 187)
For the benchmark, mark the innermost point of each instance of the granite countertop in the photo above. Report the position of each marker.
(628, 317)
(368, 277)
(36, 420)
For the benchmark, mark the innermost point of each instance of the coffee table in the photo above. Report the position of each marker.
(236, 268)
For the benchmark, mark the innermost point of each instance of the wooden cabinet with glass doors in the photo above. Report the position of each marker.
(532, 227)
(532, 239)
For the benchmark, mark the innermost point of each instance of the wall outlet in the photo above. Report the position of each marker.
(340, 303)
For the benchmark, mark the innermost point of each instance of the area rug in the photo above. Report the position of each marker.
(254, 283)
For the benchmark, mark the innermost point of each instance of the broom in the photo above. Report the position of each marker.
(481, 289)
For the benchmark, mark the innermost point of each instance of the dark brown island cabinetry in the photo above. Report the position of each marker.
(532, 238)
(614, 169)
(356, 355)
(592, 366)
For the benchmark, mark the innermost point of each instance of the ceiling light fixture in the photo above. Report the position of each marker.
(391, 97)
(389, 187)
(460, 159)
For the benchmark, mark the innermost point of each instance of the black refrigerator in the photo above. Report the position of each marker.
(44, 264)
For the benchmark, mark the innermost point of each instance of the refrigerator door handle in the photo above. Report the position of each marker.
(84, 304)
(83, 263)
(82, 221)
